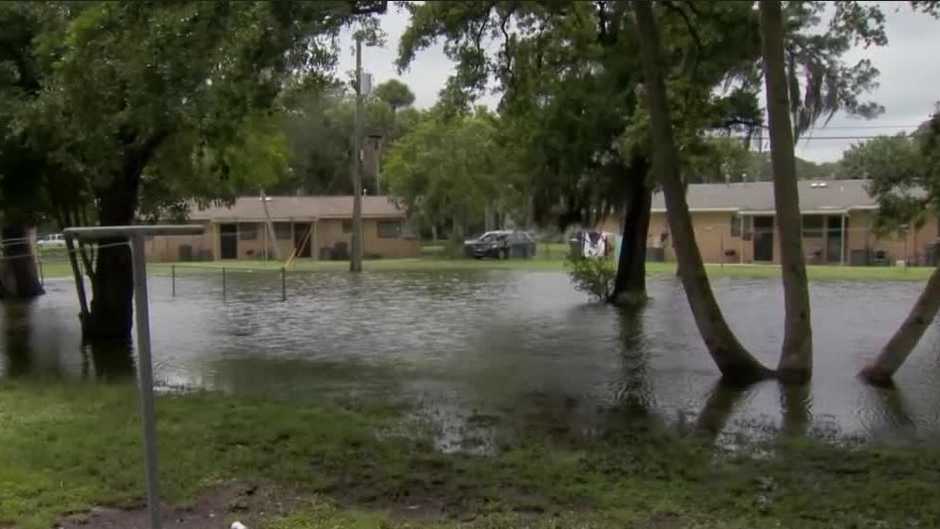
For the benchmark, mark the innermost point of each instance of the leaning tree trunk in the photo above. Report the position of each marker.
(796, 357)
(735, 362)
(19, 278)
(899, 347)
(630, 283)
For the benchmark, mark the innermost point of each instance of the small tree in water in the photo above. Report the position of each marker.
(594, 276)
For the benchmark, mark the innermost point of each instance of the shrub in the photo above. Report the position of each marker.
(594, 276)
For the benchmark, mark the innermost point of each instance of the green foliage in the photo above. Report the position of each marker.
(174, 101)
(905, 175)
(395, 93)
(592, 275)
(449, 169)
(318, 125)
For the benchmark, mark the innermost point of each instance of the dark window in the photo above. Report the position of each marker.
(282, 230)
(247, 232)
(735, 225)
(813, 226)
(389, 230)
(347, 226)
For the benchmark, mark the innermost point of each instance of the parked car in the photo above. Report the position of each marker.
(502, 244)
(53, 240)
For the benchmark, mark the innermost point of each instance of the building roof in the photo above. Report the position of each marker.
(818, 196)
(251, 209)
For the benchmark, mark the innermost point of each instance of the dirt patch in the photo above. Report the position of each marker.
(249, 503)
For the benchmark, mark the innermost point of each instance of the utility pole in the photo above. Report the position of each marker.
(355, 255)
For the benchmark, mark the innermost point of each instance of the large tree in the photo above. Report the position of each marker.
(21, 164)
(449, 170)
(123, 81)
(568, 73)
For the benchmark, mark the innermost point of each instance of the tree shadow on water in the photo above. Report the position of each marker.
(718, 408)
(796, 407)
(634, 390)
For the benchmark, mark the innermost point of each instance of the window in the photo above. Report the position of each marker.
(347, 226)
(282, 230)
(247, 232)
(735, 225)
(389, 230)
(812, 226)
(747, 228)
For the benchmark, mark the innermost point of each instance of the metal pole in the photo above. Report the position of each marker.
(173, 279)
(283, 284)
(355, 258)
(145, 378)
(79, 281)
(42, 275)
(223, 283)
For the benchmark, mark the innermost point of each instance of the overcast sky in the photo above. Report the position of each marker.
(909, 81)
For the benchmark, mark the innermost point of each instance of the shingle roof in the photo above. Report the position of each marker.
(815, 195)
(299, 207)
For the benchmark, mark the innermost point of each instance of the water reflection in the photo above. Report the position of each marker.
(486, 351)
(113, 360)
(17, 331)
(797, 409)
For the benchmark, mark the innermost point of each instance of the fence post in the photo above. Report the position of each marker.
(42, 275)
(283, 284)
(173, 279)
(223, 283)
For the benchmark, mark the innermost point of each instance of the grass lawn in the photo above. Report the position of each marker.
(550, 258)
(67, 447)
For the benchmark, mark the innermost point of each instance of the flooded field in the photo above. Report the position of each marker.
(481, 352)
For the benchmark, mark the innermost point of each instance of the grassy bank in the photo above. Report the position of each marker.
(66, 448)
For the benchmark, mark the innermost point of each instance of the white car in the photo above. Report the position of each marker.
(54, 240)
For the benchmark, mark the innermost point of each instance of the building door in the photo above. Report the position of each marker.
(228, 233)
(834, 239)
(763, 238)
(302, 239)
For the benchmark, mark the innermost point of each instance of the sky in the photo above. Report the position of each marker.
(909, 84)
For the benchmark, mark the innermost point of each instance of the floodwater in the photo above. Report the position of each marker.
(485, 351)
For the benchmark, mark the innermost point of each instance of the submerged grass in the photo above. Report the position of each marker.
(68, 447)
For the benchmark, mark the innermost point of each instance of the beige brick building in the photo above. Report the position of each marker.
(735, 223)
(317, 227)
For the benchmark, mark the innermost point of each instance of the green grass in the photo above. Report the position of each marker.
(549, 258)
(68, 447)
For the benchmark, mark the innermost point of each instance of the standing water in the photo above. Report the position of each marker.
(477, 349)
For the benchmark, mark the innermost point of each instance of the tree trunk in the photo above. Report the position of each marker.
(735, 362)
(112, 284)
(630, 283)
(19, 278)
(796, 356)
(899, 347)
